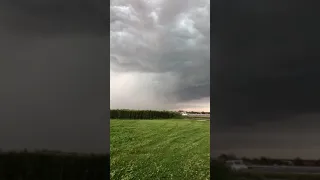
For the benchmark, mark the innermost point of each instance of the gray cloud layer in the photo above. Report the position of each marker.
(53, 76)
(265, 78)
(168, 40)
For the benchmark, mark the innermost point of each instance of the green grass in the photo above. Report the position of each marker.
(160, 149)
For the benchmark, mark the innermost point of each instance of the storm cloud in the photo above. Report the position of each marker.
(54, 79)
(160, 54)
(265, 77)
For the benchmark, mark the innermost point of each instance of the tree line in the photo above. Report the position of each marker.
(194, 112)
(272, 161)
(53, 165)
(143, 114)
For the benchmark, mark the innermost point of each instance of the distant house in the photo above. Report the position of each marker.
(184, 114)
(288, 163)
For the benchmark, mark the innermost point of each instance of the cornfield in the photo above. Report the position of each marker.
(143, 114)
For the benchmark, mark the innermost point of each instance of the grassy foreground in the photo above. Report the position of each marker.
(282, 176)
(159, 149)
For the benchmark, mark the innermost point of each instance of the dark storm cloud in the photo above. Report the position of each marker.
(266, 63)
(265, 92)
(166, 38)
(45, 17)
(54, 80)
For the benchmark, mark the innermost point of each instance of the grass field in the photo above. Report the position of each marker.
(160, 149)
(282, 176)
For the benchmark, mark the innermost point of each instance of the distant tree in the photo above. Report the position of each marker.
(231, 156)
(276, 162)
(245, 159)
(264, 161)
(256, 161)
(226, 157)
(223, 157)
(298, 162)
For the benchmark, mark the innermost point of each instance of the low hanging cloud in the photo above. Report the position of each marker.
(160, 54)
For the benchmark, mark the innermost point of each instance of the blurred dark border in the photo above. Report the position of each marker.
(60, 19)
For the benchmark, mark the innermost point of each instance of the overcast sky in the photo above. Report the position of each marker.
(53, 75)
(160, 54)
(265, 86)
